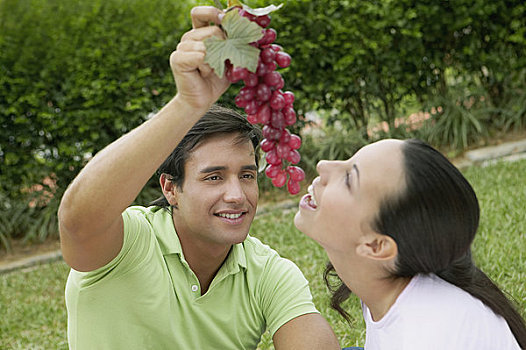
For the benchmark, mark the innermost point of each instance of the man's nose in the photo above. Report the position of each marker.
(234, 192)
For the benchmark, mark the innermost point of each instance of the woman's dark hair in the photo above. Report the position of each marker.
(218, 120)
(433, 222)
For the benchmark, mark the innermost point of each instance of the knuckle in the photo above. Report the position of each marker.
(217, 31)
(186, 35)
(195, 11)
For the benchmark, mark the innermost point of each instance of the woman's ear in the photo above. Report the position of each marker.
(378, 247)
(169, 189)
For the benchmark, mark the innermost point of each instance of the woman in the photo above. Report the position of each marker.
(397, 221)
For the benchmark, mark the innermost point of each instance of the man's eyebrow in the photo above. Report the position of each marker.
(211, 169)
(249, 167)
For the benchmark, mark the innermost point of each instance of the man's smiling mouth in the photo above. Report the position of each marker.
(230, 216)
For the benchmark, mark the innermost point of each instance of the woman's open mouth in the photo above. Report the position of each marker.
(309, 201)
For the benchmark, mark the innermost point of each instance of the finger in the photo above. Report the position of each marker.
(191, 45)
(203, 15)
(203, 33)
(205, 70)
(186, 61)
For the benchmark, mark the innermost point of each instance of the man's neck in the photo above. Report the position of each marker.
(204, 258)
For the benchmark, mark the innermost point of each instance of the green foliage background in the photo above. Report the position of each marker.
(77, 74)
(74, 76)
(367, 59)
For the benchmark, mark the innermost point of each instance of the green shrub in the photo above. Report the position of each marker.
(511, 113)
(458, 118)
(75, 76)
(330, 143)
(30, 220)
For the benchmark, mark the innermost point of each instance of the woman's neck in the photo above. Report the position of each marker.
(369, 282)
(386, 295)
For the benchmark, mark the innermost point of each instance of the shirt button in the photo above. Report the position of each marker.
(194, 288)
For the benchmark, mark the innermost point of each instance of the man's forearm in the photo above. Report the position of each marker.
(309, 331)
(114, 177)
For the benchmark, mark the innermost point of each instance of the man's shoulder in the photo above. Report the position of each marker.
(264, 260)
(259, 253)
(147, 212)
(254, 246)
(152, 216)
(158, 222)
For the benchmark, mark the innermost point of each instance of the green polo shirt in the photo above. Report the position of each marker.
(147, 297)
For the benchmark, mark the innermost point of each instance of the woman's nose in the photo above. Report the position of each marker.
(322, 164)
(323, 167)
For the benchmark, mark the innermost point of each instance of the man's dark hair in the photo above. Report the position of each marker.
(433, 222)
(218, 120)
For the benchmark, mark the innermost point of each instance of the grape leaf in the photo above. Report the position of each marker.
(263, 10)
(240, 32)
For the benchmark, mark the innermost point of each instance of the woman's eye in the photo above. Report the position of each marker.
(248, 176)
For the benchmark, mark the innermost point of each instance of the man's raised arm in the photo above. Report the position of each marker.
(90, 221)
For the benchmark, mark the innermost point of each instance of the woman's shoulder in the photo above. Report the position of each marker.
(433, 304)
(444, 303)
(430, 292)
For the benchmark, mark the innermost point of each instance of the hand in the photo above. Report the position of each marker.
(197, 84)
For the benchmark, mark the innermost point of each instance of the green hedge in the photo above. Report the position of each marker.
(367, 58)
(75, 75)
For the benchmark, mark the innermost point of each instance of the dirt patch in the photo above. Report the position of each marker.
(21, 250)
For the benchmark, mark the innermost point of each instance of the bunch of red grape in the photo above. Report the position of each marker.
(266, 104)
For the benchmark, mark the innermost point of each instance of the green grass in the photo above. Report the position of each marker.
(500, 246)
(32, 301)
(32, 308)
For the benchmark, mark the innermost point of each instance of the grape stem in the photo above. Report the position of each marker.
(218, 4)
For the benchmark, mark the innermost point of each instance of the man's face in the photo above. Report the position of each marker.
(218, 198)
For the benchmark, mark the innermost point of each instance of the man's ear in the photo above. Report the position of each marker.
(169, 189)
(378, 247)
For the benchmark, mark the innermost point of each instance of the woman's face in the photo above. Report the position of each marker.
(345, 197)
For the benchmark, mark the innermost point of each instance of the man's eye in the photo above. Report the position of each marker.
(248, 176)
(213, 178)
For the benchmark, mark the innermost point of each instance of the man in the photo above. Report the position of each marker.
(182, 274)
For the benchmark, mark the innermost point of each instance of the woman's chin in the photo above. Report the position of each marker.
(298, 222)
(303, 226)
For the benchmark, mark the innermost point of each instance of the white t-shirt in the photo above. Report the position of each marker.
(431, 313)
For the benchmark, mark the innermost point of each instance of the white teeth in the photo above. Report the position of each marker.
(230, 216)
(311, 192)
